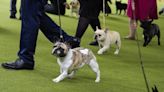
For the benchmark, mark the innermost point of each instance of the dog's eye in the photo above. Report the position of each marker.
(54, 46)
(99, 35)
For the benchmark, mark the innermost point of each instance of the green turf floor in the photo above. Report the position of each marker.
(120, 73)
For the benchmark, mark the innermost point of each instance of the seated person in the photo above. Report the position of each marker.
(52, 7)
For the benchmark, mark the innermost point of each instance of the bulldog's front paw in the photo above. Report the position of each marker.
(97, 80)
(99, 52)
(116, 52)
(56, 80)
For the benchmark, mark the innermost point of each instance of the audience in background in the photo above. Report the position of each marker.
(107, 7)
(52, 7)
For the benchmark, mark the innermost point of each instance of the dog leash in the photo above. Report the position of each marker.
(61, 36)
(140, 56)
(104, 14)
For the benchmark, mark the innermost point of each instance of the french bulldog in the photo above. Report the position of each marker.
(75, 5)
(70, 60)
(149, 31)
(106, 38)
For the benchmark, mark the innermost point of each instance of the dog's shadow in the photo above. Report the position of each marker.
(4, 31)
(79, 78)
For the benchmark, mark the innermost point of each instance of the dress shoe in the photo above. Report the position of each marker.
(12, 17)
(94, 43)
(18, 65)
(74, 42)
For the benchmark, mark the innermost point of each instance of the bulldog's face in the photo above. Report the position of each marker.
(146, 24)
(74, 3)
(60, 49)
(100, 35)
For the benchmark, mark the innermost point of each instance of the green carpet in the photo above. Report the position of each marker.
(120, 73)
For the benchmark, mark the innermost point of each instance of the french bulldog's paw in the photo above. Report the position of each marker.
(99, 52)
(116, 52)
(56, 80)
(97, 80)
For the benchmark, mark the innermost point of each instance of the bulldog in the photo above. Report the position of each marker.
(149, 31)
(106, 38)
(75, 5)
(70, 60)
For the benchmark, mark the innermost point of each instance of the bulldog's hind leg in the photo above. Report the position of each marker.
(158, 35)
(118, 46)
(95, 67)
(71, 74)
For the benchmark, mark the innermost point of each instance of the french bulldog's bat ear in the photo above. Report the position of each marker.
(151, 20)
(106, 30)
(55, 39)
(68, 44)
(97, 27)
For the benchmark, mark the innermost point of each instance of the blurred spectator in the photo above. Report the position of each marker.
(107, 7)
(52, 7)
(13, 9)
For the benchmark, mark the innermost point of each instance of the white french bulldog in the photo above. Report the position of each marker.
(75, 5)
(105, 38)
(70, 60)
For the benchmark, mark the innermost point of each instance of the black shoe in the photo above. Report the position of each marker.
(94, 43)
(74, 42)
(12, 17)
(18, 65)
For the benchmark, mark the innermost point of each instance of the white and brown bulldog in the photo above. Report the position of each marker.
(70, 60)
(106, 38)
(75, 5)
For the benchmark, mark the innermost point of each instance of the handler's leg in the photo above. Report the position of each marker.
(29, 33)
(53, 32)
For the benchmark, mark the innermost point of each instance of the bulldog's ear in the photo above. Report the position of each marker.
(97, 27)
(68, 44)
(151, 20)
(106, 30)
(56, 39)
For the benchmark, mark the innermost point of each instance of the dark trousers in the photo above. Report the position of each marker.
(83, 24)
(33, 19)
(13, 9)
(50, 8)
